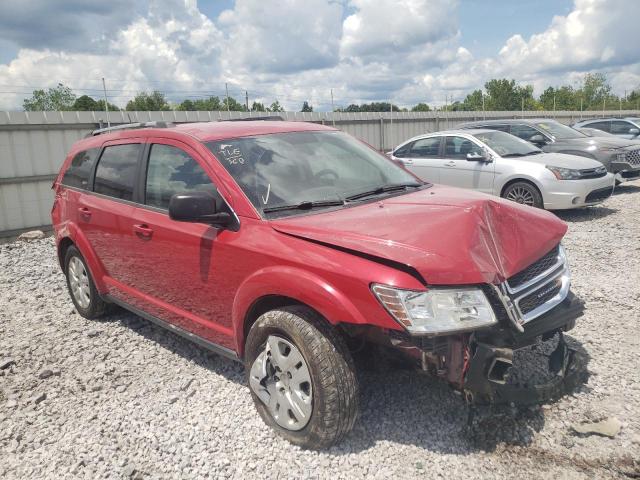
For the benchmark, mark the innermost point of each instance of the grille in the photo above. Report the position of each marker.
(539, 297)
(593, 173)
(599, 195)
(633, 156)
(535, 269)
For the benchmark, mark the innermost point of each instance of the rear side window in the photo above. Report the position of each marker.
(604, 126)
(172, 171)
(115, 175)
(524, 132)
(77, 175)
(425, 147)
(618, 127)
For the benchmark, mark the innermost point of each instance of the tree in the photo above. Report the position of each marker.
(275, 107)
(258, 107)
(565, 98)
(473, 101)
(234, 105)
(148, 102)
(87, 104)
(56, 98)
(595, 90)
(421, 107)
(202, 104)
(306, 107)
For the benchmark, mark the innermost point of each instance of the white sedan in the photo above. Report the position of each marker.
(501, 164)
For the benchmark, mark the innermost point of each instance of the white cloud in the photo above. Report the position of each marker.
(406, 51)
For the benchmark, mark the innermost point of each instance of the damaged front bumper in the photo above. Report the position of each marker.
(485, 379)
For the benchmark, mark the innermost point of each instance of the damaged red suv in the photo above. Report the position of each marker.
(287, 245)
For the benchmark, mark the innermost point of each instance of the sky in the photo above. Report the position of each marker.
(404, 51)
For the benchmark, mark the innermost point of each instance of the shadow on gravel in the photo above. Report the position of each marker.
(398, 405)
(586, 214)
(625, 189)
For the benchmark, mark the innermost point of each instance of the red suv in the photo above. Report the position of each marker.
(289, 246)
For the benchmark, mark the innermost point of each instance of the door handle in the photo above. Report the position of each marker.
(450, 164)
(85, 213)
(407, 161)
(143, 231)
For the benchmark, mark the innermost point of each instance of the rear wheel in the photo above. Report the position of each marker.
(301, 376)
(523, 193)
(81, 287)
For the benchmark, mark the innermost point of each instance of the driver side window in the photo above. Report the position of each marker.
(425, 148)
(459, 147)
(525, 132)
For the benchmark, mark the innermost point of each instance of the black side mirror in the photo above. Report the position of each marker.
(198, 207)
(538, 139)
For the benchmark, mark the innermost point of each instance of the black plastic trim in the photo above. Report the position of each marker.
(213, 347)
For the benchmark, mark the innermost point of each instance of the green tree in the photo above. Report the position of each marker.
(473, 101)
(595, 91)
(258, 107)
(234, 105)
(148, 102)
(501, 95)
(566, 98)
(306, 107)
(421, 107)
(275, 107)
(57, 98)
(202, 104)
(87, 104)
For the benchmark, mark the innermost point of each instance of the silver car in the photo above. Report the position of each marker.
(620, 127)
(501, 164)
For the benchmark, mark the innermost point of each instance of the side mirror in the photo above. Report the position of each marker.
(537, 139)
(476, 157)
(198, 207)
(634, 131)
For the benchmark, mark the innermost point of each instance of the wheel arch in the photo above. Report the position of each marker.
(74, 237)
(524, 179)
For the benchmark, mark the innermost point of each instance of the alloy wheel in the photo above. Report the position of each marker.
(281, 379)
(79, 282)
(521, 195)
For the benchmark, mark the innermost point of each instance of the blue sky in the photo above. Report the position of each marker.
(407, 51)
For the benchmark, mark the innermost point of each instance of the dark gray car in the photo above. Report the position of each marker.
(620, 156)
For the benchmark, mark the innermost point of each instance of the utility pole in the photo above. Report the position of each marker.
(522, 107)
(391, 123)
(554, 105)
(484, 115)
(226, 87)
(333, 110)
(246, 99)
(106, 102)
(604, 105)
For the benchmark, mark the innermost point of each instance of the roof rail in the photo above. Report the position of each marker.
(132, 126)
(272, 118)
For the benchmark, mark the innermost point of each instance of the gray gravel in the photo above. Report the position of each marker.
(121, 398)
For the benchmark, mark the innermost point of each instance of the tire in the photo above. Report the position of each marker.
(524, 193)
(87, 301)
(330, 399)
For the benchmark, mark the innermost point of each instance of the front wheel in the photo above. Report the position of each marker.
(302, 378)
(524, 193)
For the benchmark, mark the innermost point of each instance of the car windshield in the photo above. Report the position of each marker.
(506, 145)
(559, 130)
(308, 169)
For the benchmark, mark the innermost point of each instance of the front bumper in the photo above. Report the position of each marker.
(565, 194)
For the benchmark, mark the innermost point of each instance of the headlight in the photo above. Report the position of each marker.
(565, 173)
(437, 311)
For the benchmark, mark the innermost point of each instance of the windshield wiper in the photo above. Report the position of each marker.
(533, 152)
(305, 205)
(507, 155)
(394, 187)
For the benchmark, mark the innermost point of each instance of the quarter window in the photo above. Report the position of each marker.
(171, 171)
(459, 147)
(115, 175)
(77, 175)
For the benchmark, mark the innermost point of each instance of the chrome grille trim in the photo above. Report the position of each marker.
(561, 259)
(633, 157)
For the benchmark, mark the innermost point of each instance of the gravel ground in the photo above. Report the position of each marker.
(121, 398)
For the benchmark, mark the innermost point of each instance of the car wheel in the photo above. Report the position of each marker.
(302, 377)
(83, 291)
(524, 193)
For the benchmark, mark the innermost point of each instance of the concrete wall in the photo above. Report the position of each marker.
(34, 144)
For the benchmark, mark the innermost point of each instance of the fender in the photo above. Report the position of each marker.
(93, 263)
(307, 288)
(517, 177)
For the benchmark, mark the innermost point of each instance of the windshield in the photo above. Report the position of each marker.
(294, 168)
(506, 145)
(559, 130)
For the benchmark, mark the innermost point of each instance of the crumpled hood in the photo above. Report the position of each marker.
(448, 235)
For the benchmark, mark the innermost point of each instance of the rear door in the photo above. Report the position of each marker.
(622, 128)
(460, 172)
(423, 158)
(105, 213)
(179, 269)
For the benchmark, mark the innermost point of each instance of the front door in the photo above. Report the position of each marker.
(460, 172)
(180, 266)
(423, 159)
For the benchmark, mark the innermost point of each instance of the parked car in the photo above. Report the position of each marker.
(593, 132)
(288, 246)
(620, 156)
(500, 164)
(620, 127)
